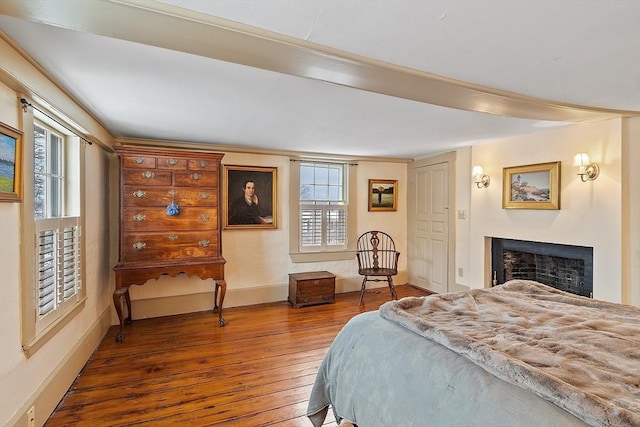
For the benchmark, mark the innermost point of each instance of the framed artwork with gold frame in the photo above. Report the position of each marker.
(249, 195)
(10, 164)
(534, 186)
(383, 195)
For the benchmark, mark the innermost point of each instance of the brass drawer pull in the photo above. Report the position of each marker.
(204, 195)
(196, 176)
(148, 175)
(139, 160)
(139, 245)
(203, 163)
(315, 282)
(173, 237)
(204, 218)
(203, 243)
(139, 217)
(172, 162)
(140, 194)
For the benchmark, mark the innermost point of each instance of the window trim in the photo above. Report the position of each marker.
(349, 253)
(33, 339)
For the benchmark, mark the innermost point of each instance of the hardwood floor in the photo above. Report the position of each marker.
(184, 370)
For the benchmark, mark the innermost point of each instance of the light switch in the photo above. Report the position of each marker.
(462, 214)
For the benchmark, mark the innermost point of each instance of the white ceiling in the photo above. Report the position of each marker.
(151, 80)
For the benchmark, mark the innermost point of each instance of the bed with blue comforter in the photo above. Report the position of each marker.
(516, 355)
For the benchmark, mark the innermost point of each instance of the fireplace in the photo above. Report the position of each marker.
(565, 267)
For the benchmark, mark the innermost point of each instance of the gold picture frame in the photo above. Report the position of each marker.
(534, 186)
(10, 164)
(244, 183)
(383, 195)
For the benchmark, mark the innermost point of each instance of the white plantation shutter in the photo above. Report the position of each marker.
(310, 227)
(70, 262)
(47, 271)
(337, 227)
(58, 271)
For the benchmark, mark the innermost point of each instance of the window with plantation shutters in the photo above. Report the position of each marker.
(323, 207)
(57, 224)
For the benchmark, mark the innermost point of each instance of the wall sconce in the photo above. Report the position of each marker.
(479, 177)
(588, 171)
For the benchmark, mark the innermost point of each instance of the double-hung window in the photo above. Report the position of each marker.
(54, 271)
(322, 210)
(323, 207)
(57, 223)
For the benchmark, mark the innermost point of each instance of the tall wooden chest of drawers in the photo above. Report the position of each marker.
(314, 287)
(169, 220)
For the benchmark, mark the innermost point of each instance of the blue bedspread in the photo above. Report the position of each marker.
(378, 373)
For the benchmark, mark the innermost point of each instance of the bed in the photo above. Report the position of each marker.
(518, 354)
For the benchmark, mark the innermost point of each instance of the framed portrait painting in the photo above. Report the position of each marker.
(531, 186)
(383, 195)
(10, 164)
(249, 195)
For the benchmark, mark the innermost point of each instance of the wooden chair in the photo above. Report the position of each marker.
(377, 260)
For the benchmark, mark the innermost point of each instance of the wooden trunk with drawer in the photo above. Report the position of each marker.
(315, 287)
(156, 240)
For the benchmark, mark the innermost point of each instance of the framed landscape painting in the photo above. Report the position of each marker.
(383, 195)
(249, 195)
(10, 164)
(531, 186)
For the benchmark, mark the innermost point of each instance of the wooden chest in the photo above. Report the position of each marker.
(169, 219)
(315, 287)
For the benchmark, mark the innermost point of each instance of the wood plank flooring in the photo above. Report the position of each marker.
(184, 370)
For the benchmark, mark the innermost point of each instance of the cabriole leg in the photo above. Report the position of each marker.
(117, 302)
(221, 287)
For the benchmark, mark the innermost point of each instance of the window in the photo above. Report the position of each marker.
(57, 224)
(323, 207)
(321, 196)
(53, 271)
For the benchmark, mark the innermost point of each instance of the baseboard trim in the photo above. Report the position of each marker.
(203, 301)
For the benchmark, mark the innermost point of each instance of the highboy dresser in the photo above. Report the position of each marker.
(169, 221)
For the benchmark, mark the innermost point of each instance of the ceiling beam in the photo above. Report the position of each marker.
(166, 26)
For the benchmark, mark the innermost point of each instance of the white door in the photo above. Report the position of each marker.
(428, 238)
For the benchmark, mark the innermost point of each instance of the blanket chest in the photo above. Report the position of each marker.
(314, 287)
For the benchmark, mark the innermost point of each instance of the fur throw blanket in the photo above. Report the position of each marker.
(581, 354)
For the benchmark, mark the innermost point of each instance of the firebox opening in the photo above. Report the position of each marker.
(565, 267)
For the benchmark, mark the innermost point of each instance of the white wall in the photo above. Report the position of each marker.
(590, 213)
(462, 215)
(631, 209)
